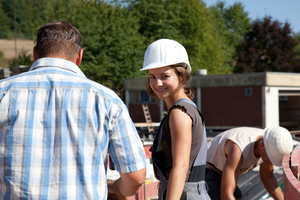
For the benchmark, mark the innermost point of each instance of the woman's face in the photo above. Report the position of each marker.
(164, 82)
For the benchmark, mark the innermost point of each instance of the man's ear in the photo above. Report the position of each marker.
(79, 57)
(262, 145)
(35, 57)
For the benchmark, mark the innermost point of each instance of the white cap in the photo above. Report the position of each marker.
(165, 52)
(278, 142)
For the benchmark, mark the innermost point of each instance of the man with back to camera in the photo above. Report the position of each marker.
(57, 127)
(237, 151)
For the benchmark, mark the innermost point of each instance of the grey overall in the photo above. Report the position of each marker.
(195, 188)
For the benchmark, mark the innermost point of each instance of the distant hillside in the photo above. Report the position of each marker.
(7, 47)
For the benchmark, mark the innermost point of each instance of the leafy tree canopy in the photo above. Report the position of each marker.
(268, 47)
(296, 37)
(231, 23)
(113, 49)
(116, 34)
(5, 31)
(187, 22)
(29, 15)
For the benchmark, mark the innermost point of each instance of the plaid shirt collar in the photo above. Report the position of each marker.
(58, 63)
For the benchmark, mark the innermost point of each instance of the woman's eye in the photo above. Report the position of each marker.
(165, 76)
(151, 77)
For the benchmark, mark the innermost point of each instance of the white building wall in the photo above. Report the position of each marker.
(270, 106)
(270, 103)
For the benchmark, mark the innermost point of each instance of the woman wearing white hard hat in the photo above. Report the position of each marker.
(179, 148)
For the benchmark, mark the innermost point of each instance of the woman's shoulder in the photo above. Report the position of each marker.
(186, 107)
(189, 109)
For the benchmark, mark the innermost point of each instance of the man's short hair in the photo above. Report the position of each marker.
(58, 39)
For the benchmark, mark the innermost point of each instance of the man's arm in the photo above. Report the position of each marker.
(269, 181)
(128, 184)
(230, 170)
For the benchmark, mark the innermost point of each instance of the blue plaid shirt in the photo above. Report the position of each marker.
(56, 129)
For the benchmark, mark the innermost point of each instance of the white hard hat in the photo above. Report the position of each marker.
(278, 142)
(165, 52)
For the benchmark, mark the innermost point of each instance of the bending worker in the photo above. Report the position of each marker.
(239, 150)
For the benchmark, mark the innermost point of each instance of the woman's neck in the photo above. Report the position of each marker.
(179, 95)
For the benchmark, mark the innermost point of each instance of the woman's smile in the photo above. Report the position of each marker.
(164, 82)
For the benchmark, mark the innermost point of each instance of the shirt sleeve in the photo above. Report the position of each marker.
(125, 146)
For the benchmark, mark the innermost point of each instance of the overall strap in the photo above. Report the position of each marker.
(192, 103)
(186, 101)
(156, 148)
(198, 169)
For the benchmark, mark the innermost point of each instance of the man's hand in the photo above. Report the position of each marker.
(268, 179)
(113, 191)
(127, 185)
(115, 197)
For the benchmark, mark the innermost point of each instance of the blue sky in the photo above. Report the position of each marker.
(280, 10)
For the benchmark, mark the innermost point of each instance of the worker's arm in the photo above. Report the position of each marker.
(181, 137)
(128, 184)
(268, 179)
(230, 172)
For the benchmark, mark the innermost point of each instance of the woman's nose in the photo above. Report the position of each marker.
(159, 82)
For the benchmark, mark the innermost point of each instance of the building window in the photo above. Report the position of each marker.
(283, 98)
(134, 96)
(248, 91)
(140, 97)
(144, 97)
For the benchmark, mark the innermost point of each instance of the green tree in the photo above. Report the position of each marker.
(268, 47)
(41, 12)
(196, 32)
(113, 49)
(30, 15)
(231, 23)
(187, 22)
(19, 16)
(296, 37)
(155, 19)
(5, 31)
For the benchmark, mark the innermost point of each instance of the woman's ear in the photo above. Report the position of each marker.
(180, 78)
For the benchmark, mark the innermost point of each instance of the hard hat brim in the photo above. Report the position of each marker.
(160, 65)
